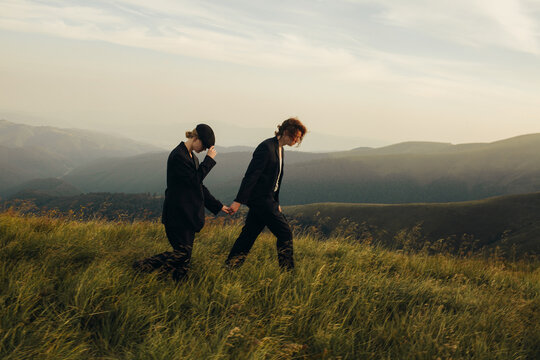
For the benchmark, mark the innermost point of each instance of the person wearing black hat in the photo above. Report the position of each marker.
(185, 200)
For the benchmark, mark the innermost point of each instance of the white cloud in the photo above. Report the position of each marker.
(36, 11)
(232, 34)
(509, 24)
(182, 28)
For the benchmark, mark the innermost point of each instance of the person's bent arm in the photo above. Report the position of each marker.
(207, 164)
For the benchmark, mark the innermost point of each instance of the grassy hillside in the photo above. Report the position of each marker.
(509, 222)
(508, 225)
(106, 206)
(68, 292)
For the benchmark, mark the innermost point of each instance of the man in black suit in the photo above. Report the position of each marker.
(185, 200)
(260, 192)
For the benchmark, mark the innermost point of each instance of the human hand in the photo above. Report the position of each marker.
(279, 208)
(234, 207)
(226, 210)
(211, 152)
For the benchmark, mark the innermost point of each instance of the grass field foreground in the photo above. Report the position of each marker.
(68, 292)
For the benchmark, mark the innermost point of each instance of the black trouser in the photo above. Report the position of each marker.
(176, 261)
(257, 218)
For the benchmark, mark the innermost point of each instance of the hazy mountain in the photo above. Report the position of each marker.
(47, 186)
(410, 147)
(462, 172)
(399, 173)
(30, 152)
(426, 147)
(76, 145)
(508, 221)
(22, 164)
(424, 172)
(135, 174)
(146, 172)
(227, 135)
(229, 149)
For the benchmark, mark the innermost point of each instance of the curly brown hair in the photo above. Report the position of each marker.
(290, 127)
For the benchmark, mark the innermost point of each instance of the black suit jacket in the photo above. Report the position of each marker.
(186, 196)
(258, 184)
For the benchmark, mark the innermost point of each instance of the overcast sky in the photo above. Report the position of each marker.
(381, 70)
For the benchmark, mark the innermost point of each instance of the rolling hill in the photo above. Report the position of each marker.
(18, 165)
(32, 152)
(460, 173)
(77, 145)
(146, 172)
(46, 186)
(509, 222)
(402, 173)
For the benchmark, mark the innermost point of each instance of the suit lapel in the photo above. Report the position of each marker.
(282, 165)
(193, 161)
(276, 152)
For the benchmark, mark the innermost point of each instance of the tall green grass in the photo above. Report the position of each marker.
(68, 292)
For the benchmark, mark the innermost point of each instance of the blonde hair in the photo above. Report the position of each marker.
(192, 134)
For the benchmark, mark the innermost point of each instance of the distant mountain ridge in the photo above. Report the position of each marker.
(47, 186)
(428, 147)
(457, 173)
(30, 152)
(400, 173)
(75, 144)
(424, 172)
(409, 147)
(18, 165)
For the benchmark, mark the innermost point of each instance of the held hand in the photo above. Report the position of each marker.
(211, 152)
(234, 207)
(226, 209)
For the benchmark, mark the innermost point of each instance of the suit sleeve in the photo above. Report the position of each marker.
(204, 168)
(210, 202)
(186, 174)
(253, 172)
